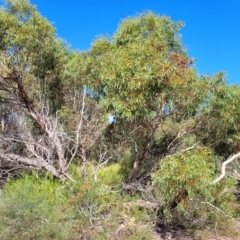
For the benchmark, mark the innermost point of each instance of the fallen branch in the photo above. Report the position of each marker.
(34, 162)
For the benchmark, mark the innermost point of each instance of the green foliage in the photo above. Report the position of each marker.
(39, 208)
(110, 175)
(220, 209)
(223, 110)
(143, 68)
(144, 77)
(34, 208)
(30, 48)
(184, 183)
(126, 162)
(183, 177)
(224, 197)
(149, 25)
(104, 211)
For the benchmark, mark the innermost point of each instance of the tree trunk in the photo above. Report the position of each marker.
(137, 163)
(140, 157)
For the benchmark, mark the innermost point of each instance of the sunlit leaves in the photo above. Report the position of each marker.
(30, 49)
(142, 67)
(184, 177)
(223, 114)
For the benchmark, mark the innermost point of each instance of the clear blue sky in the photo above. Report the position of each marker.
(211, 33)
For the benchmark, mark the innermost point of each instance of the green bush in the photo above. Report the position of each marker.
(102, 208)
(35, 208)
(110, 175)
(126, 161)
(184, 183)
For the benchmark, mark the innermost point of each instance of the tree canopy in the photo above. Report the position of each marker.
(143, 68)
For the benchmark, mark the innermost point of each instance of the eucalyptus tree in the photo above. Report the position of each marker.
(30, 63)
(143, 76)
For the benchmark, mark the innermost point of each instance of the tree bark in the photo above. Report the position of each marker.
(137, 162)
(140, 157)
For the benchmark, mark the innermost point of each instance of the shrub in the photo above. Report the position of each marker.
(102, 209)
(183, 182)
(110, 175)
(35, 208)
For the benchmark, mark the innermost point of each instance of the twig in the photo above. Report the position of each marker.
(218, 209)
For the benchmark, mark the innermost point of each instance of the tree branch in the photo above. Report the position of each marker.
(230, 159)
(37, 163)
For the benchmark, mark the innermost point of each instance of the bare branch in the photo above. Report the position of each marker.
(218, 209)
(78, 130)
(230, 159)
(37, 163)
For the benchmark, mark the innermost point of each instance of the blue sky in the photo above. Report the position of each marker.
(211, 33)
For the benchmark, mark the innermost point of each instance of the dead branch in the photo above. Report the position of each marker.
(34, 162)
(78, 133)
(223, 169)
